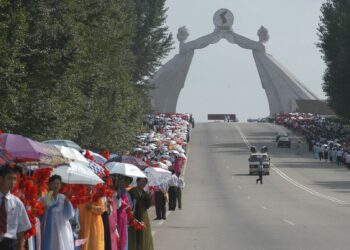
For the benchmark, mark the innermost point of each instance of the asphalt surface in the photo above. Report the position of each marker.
(303, 203)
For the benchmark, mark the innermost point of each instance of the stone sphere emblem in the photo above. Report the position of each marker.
(223, 19)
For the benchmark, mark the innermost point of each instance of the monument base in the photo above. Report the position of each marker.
(316, 107)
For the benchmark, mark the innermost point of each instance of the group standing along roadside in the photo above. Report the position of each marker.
(327, 138)
(75, 200)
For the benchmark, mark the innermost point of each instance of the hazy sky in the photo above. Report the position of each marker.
(223, 77)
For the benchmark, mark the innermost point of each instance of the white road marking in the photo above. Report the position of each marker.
(160, 223)
(248, 197)
(227, 167)
(168, 213)
(290, 180)
(232, 177)
(289, 222)
(243, 136)
(153, 233)
(309, 190)
(264, 207)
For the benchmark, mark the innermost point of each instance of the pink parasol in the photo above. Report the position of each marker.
(24, 149)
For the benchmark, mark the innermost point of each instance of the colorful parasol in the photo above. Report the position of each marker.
(26, 150)
(134, 161)
(6, 158)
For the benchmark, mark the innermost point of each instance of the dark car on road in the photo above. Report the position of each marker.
(283, 141)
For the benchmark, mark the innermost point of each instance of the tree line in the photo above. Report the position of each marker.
(334, 44)
(78, 69)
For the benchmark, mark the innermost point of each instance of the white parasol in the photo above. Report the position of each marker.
(77, 173)
(126, 169)
(157, 176)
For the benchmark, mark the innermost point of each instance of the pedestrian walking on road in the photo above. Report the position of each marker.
(260, 172)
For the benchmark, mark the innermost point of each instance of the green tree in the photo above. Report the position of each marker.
(47, 55)
(334, 35)
(13, 89)
(103, 69)
(76, 69)
(152, 40)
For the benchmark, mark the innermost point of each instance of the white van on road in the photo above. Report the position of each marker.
(254, 161)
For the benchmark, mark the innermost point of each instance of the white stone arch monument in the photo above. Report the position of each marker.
(281, 87)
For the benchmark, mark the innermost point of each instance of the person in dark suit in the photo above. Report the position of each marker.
(260, 172)
(173, 182)
(160, 201)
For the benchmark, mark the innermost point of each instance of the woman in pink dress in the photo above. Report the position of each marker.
(124, 182)
(113, 224)
(114, 203)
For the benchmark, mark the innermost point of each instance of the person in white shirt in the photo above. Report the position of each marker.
(180, 186)
(173, 183)
(339, 156)
(334, 154)
(347, 159)
(14, 220)
(160, 200)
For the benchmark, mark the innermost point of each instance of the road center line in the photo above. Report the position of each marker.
(243, 136)
(289, 222)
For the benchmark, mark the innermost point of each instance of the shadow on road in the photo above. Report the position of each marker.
(308, 164)
(228, 145)
(241, 175)
(334, 184)
(231, 148)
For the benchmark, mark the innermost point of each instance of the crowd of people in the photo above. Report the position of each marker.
(108, 216)
(327, 139)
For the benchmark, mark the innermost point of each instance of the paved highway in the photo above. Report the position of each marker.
(303, 204)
